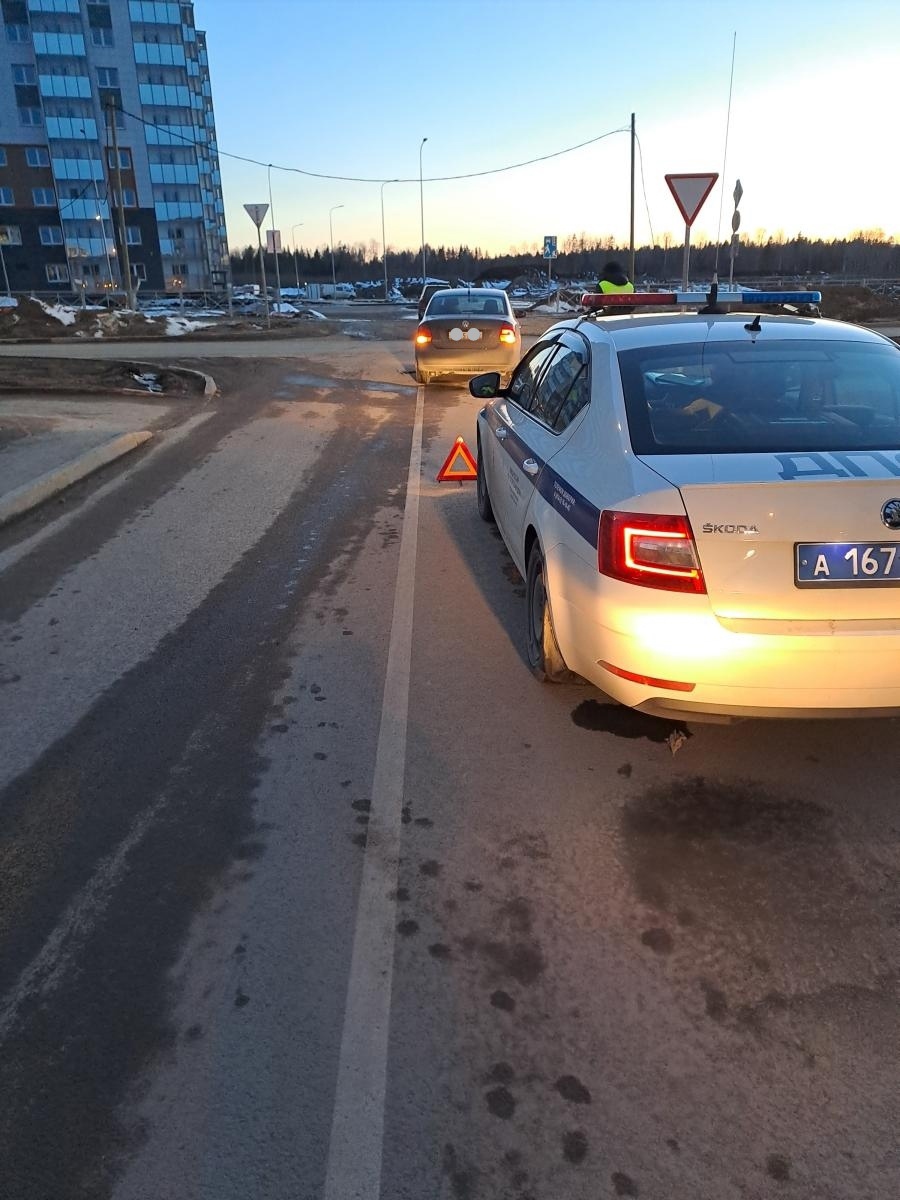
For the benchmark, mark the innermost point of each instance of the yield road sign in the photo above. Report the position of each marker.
(690, 191)
(256, 213)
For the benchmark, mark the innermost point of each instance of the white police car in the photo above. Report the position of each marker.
(706, 508)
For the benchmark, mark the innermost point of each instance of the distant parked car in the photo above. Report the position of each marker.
(427, 292)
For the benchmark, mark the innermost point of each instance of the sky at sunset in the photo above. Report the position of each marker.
(350, 88)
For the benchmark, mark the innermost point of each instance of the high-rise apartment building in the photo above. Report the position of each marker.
(69, 69)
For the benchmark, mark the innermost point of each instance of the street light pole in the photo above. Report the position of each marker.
(296, 268)
(422, 207)
(331, 243)
(274, 247)
(383, 239)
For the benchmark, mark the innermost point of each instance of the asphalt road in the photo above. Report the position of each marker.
(308, 891)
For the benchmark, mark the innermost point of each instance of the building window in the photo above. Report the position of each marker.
(30, 116)
(24, 73)
(129, 198)
(51, 235)
(108, 76)
(124, 159)
(37, 156)
(6, 196)
(179, 269)
(102, 37)
(2, 156)
(139, 272)
(133, 235)
(18, 33)
(57, 273)
(10, 235)
(43, 197)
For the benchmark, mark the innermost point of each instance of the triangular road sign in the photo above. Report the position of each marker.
(459, 464)
(690, 191)
(256, 213)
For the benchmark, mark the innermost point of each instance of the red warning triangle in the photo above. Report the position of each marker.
(459, 463)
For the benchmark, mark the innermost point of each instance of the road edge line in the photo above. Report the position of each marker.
(357, 1129)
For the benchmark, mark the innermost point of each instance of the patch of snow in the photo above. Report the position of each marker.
(178, 326)
(8, 302)
(315, 314)
(59, 312)
(554, 308)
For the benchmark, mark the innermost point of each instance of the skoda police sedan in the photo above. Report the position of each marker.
(706, 510)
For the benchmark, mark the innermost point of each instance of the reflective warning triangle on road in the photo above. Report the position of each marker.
(459, 463)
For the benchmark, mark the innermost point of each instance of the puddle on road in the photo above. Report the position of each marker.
(367, 385)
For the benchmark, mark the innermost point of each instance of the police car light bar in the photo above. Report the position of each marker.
(660, 299)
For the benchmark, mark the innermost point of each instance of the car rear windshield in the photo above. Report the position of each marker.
(468, 305)
(741, 397)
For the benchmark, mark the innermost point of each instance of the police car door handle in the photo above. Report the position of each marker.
(501, 432)
(530, 467)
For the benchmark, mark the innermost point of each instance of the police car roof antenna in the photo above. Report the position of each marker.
(711, 298)
(755, 325)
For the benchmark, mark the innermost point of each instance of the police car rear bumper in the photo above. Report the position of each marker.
(713, 671)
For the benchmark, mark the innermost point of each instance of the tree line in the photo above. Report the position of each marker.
(866, 254)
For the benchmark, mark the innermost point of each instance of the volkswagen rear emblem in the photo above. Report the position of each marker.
(890, 513)
(465, 325)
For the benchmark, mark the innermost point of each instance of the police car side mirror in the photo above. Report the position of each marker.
(485, 387)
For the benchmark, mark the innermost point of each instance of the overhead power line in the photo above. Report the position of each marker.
(391, 179)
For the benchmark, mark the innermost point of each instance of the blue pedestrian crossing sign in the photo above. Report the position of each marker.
(550, 246)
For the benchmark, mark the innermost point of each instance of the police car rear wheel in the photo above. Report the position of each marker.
(544, 656)
(482, 496)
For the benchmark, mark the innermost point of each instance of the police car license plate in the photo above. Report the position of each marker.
(846, 564)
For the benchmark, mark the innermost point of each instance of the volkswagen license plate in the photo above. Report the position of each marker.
(846, 564)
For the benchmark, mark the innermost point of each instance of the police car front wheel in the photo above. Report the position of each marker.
(544, 656)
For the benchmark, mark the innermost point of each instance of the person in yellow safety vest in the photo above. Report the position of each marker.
(613, 279)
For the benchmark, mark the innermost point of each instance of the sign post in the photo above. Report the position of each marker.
(735, 226)
(550, 253)
(690, 191)
(257, 214)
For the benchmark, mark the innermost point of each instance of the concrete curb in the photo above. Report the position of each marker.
(30, 495)
(210, 387)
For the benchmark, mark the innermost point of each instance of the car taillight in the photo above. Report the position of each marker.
(651, 550)
(508, 335)
(423, 336)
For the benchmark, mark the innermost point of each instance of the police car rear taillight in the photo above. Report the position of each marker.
(651, 550)
(508, 335)
(423, 336)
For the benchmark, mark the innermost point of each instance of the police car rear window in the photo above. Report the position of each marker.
(742, 397)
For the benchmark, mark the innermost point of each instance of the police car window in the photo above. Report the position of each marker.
(528, 373)
(578, 396)
(794, 396)
(555, 385)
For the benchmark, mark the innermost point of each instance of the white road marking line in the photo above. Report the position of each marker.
(357, 1127)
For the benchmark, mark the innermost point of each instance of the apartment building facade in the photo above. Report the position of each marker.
(76, 78)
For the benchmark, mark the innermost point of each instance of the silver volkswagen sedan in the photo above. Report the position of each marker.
(466, 331)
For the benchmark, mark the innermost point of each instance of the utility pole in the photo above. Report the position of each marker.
(123, 237)
(631, 268)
